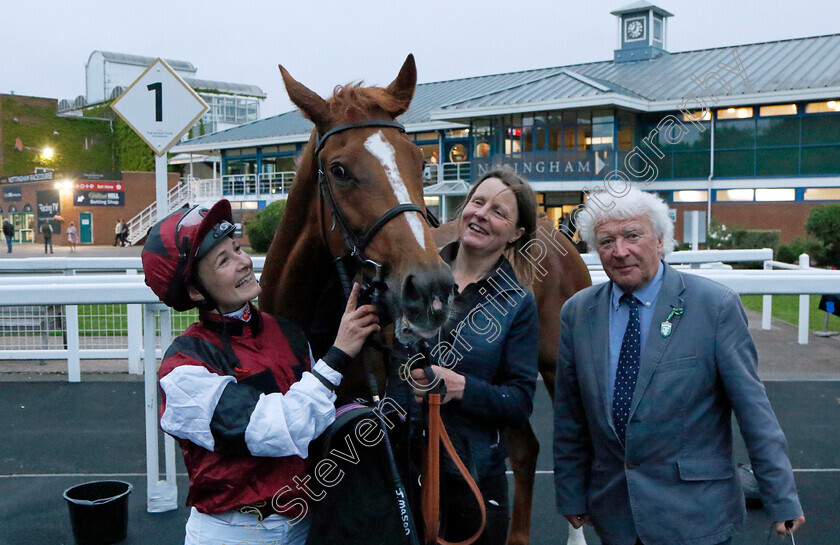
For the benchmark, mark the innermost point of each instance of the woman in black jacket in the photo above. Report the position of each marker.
(487, 354)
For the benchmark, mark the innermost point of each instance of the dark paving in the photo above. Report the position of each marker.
(56, 435)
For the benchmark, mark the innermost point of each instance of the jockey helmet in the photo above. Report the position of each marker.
(176, 244)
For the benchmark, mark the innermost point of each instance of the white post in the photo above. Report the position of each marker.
(695, 231)
(161, 187)
(767, 304)
(134, 321)
(160, 495)
(804, 304)
(168, 440)
(74, 370)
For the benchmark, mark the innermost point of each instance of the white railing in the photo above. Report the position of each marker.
(446, 172)
(275, 183)
(176, 197)
(804, 300)
(70, 291)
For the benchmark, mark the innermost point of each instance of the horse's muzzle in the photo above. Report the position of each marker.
(426, 297)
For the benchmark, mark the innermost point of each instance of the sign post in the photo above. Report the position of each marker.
(160, 107)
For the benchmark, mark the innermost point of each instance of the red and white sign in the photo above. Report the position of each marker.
(99, 186)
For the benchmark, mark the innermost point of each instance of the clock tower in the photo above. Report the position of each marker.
(641, 31)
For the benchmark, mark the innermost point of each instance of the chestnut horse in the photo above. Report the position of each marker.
(559, 272)
(370, 187)
(373, 174)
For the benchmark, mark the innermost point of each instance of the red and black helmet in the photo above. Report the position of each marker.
(177, 243)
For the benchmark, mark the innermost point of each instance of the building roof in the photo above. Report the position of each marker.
(778, 71)
(640, 6)
(225, 87)
(140, 60)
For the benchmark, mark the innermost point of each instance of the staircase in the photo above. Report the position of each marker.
(177, 197)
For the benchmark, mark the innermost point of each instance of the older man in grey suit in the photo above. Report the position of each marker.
(651, 366)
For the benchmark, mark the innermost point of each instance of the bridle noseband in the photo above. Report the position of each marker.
(354, 242)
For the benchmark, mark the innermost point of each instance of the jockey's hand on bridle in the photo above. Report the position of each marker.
(356, 325)
(454, 383)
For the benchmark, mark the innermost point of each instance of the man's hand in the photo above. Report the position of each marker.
(454, 383)
(784, 531)
(578, 520)
(356, 325)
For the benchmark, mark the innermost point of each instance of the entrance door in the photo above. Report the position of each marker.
(85, 228)
(24, 226)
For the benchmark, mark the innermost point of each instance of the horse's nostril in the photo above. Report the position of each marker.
(437, 305)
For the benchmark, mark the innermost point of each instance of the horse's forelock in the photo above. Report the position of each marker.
(352, 103)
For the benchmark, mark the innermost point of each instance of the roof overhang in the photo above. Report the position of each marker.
(198, 147)
(450, 188)
(639, 104)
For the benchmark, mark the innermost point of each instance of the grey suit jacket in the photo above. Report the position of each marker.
(675, 482)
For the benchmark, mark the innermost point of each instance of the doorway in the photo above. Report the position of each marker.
(85, 228)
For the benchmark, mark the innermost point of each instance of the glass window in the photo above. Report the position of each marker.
(584, 117)
(691, 196)
(539, 138)
(691, 165)
(778, 109)
(430, 152)
(734, 163)
(458, 153)
(823, 107)
(457, 133)
(602, 116)
(695, 116)
(820, 129)
(527, 139)
(775, 194)
(568, 138)
(738, 133)
(782, 131)
(777, 162)
(822, 194)
(625, 138)
(422, 136)
(735, 194)
(735, 113)
(555, 140)
(821, 160)
(584, 135)
(555, 117)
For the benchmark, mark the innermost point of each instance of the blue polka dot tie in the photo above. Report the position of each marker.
(628, 367)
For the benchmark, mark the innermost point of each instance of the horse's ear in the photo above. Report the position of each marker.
(402, 88)
(313, 106)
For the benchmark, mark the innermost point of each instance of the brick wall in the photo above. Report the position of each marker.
(789, 217)
(139, 189)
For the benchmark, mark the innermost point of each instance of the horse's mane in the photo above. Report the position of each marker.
(354, 103)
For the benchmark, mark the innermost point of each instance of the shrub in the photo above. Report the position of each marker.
(824, 225)
(804, 245)
(264, 224)
(755, 238)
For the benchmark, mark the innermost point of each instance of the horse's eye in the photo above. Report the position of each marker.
(339, 172)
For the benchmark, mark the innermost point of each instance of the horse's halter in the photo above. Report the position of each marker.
(354, 242)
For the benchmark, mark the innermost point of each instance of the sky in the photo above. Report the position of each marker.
(46, 43)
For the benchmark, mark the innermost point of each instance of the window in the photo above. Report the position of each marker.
(695, 116)
(735, 194)
(735, 113)
(778, 109)
(691, 196)
(424, 136)
(831, 106)
(773, 194)
(822, 194)
(457, 133)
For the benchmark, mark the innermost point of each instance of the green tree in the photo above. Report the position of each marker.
(261, 227)
(824, 225)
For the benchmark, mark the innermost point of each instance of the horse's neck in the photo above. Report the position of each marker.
(298, 262)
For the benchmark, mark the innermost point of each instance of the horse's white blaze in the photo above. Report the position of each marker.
(379, 147)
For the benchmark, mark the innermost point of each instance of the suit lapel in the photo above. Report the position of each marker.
(599, 328)
(669, 298)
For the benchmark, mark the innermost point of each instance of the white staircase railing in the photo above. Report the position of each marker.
(176, 197)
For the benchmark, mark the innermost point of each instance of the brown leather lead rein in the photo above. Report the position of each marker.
(430, 492)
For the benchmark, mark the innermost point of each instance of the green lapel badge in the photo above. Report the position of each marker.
(666, 327)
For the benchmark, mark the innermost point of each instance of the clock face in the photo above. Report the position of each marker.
(635, 29)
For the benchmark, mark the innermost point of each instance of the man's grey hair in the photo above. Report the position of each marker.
(603, 206)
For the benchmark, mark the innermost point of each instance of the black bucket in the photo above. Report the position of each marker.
(98, 511)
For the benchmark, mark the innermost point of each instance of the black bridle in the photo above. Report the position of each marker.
(358, 243)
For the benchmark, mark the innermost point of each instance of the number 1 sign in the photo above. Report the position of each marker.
(160, 106)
